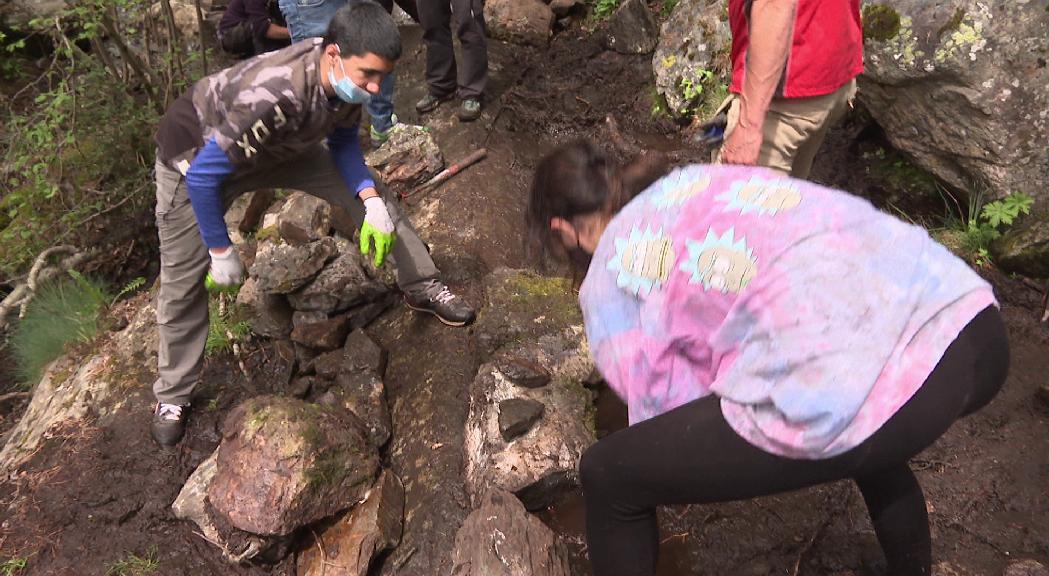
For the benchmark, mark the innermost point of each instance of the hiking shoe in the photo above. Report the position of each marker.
(380, 137)
(470, 110)
(438, 300)
(169, 423)
(429, 103)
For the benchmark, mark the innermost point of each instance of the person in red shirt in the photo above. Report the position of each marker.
(794, 68)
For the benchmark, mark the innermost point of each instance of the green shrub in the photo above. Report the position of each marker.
(604, 8)
(971, 232)
(63, 311)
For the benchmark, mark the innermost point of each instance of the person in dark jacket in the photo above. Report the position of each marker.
(250, 27)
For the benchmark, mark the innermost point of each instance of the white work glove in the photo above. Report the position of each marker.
(377, 229)
(226, 272)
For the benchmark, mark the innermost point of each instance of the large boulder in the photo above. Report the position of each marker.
(963, 91)
(500, 538)
(529, 440)
(283, 268)
(348, 547)
(632, 29)
(692, 57)
(521, 21)
(409, 158)
(522, 305)
(284, 463)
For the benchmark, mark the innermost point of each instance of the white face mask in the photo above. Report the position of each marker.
(347, 90)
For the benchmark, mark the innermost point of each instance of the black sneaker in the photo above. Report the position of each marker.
(469, 110)
(429, 103)
(438, 300)
(169, 423)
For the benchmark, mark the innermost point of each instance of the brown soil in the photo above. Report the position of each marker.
(94, 495)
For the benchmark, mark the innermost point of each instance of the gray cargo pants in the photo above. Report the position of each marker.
(182, 305)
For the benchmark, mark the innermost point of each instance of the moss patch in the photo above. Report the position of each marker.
(880, 22)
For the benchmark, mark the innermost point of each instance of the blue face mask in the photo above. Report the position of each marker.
(346, 89)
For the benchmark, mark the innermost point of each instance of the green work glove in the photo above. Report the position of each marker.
(377, 230)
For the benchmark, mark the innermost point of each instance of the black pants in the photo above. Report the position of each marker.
(435, 16)
(691, 455)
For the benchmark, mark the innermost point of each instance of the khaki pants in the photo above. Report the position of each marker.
(182, 305)
(795, 127)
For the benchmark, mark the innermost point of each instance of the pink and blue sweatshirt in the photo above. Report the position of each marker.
(812, 315)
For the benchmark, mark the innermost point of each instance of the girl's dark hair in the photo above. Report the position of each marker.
(579, 178)
(363, 27)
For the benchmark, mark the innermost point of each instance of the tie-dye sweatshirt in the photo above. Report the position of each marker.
(811, 315)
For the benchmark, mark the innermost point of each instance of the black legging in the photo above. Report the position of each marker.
(691, 455)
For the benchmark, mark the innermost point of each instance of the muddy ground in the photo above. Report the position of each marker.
(94, 496)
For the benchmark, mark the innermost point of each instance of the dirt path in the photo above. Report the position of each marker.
(95, 496)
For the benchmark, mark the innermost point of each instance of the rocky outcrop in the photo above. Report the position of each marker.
(500, 538)
(521, 21)
(340, 285)
(17, 14)
(529, 440)
(74, 388)
(692, 56)
(348, 547)
(963, 88)
(632, 29)
(284, 463)
(1026, 568)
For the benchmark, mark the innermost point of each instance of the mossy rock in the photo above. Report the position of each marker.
(1025, 249)
(525, 305)
(284, 463)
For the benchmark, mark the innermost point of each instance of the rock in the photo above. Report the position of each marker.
(362, 353)
(693, 51)
(542, 463)
(632, 29)
(948, 569)
(517, 415)
(284, 463)
(191, 505)
(501, 539)
(364, 394)
(409, 158)
(520, 21)
(17, 14)
(301, 386)
(184, 13)
(1026, 568)
(962, 92)
(257, 205)
(342, 284)
(304, 219)
(1024, 249)
(522, 306)
(285, 268)
(358, 537)
(269, 314)
(324, 335)
(562, 8)
(364, 315)
(524, 372)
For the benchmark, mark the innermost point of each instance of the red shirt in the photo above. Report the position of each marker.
(827, 50)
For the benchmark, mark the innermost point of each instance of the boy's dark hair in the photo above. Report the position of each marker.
(364, 27)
